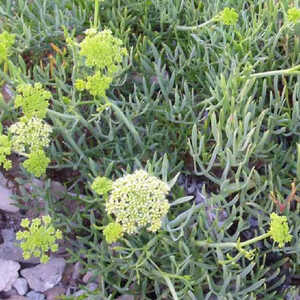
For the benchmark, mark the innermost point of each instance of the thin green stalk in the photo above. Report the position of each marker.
(233, 244)
(75, 117)
(290, 71)
(193, 28)
(96, 11)
(128, 123)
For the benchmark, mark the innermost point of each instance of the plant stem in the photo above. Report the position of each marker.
(192, 28)
(96, 11)
(293, 70)
(233, 244)
(256, 239)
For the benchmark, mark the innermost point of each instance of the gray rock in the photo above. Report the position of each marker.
(11, 251)
(35, 296)
(76, 271)
(17, 298)
(57, 189)
(8, 274)
(45, 276)
(21, 286)
(6, 203)
(8, 235)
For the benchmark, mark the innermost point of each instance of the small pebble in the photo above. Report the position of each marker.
(21, 286)
(35, 296)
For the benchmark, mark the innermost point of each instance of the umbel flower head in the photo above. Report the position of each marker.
(96, 84)
(6, 41)
(39, 236)
(279, 230)
(102, 185)
(138, 200)
(112, 232)
(5, 149)
(33, 100)
(228, 16)
(102, 50)
(294, 15)
(30, 136)
(36, 163)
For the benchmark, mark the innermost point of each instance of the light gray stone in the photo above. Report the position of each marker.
(8, 235)
(6, 202)
(8, 274)
(76, 271)
(21, 286)
(15, 297)
(45, 276)
(35, 296)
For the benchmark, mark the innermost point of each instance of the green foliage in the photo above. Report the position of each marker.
(38, 237)
(36, 163)
(33, 101)
(6, 41)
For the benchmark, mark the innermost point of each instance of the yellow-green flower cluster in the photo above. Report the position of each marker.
(30, 136)
(228, 16)
(96, 84)
(112, 232)
(36, 163)
(102, 185)
(5, 149)
(6, 42)
(279, 230)
(33, 100)
(294, 15)
(138, 200)
(102, 50)
(38, 238)
(104, 53)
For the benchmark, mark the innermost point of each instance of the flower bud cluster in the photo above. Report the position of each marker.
(30, 136)
(6, 41)
(104, 54)
(279, 230)
(5, 149)
(38, 238)
(138, 200)
(294, 15)
(33, 100)
(228, 16)
(102, 50)
(36, 163)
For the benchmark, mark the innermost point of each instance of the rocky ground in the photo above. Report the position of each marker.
(31, 280)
